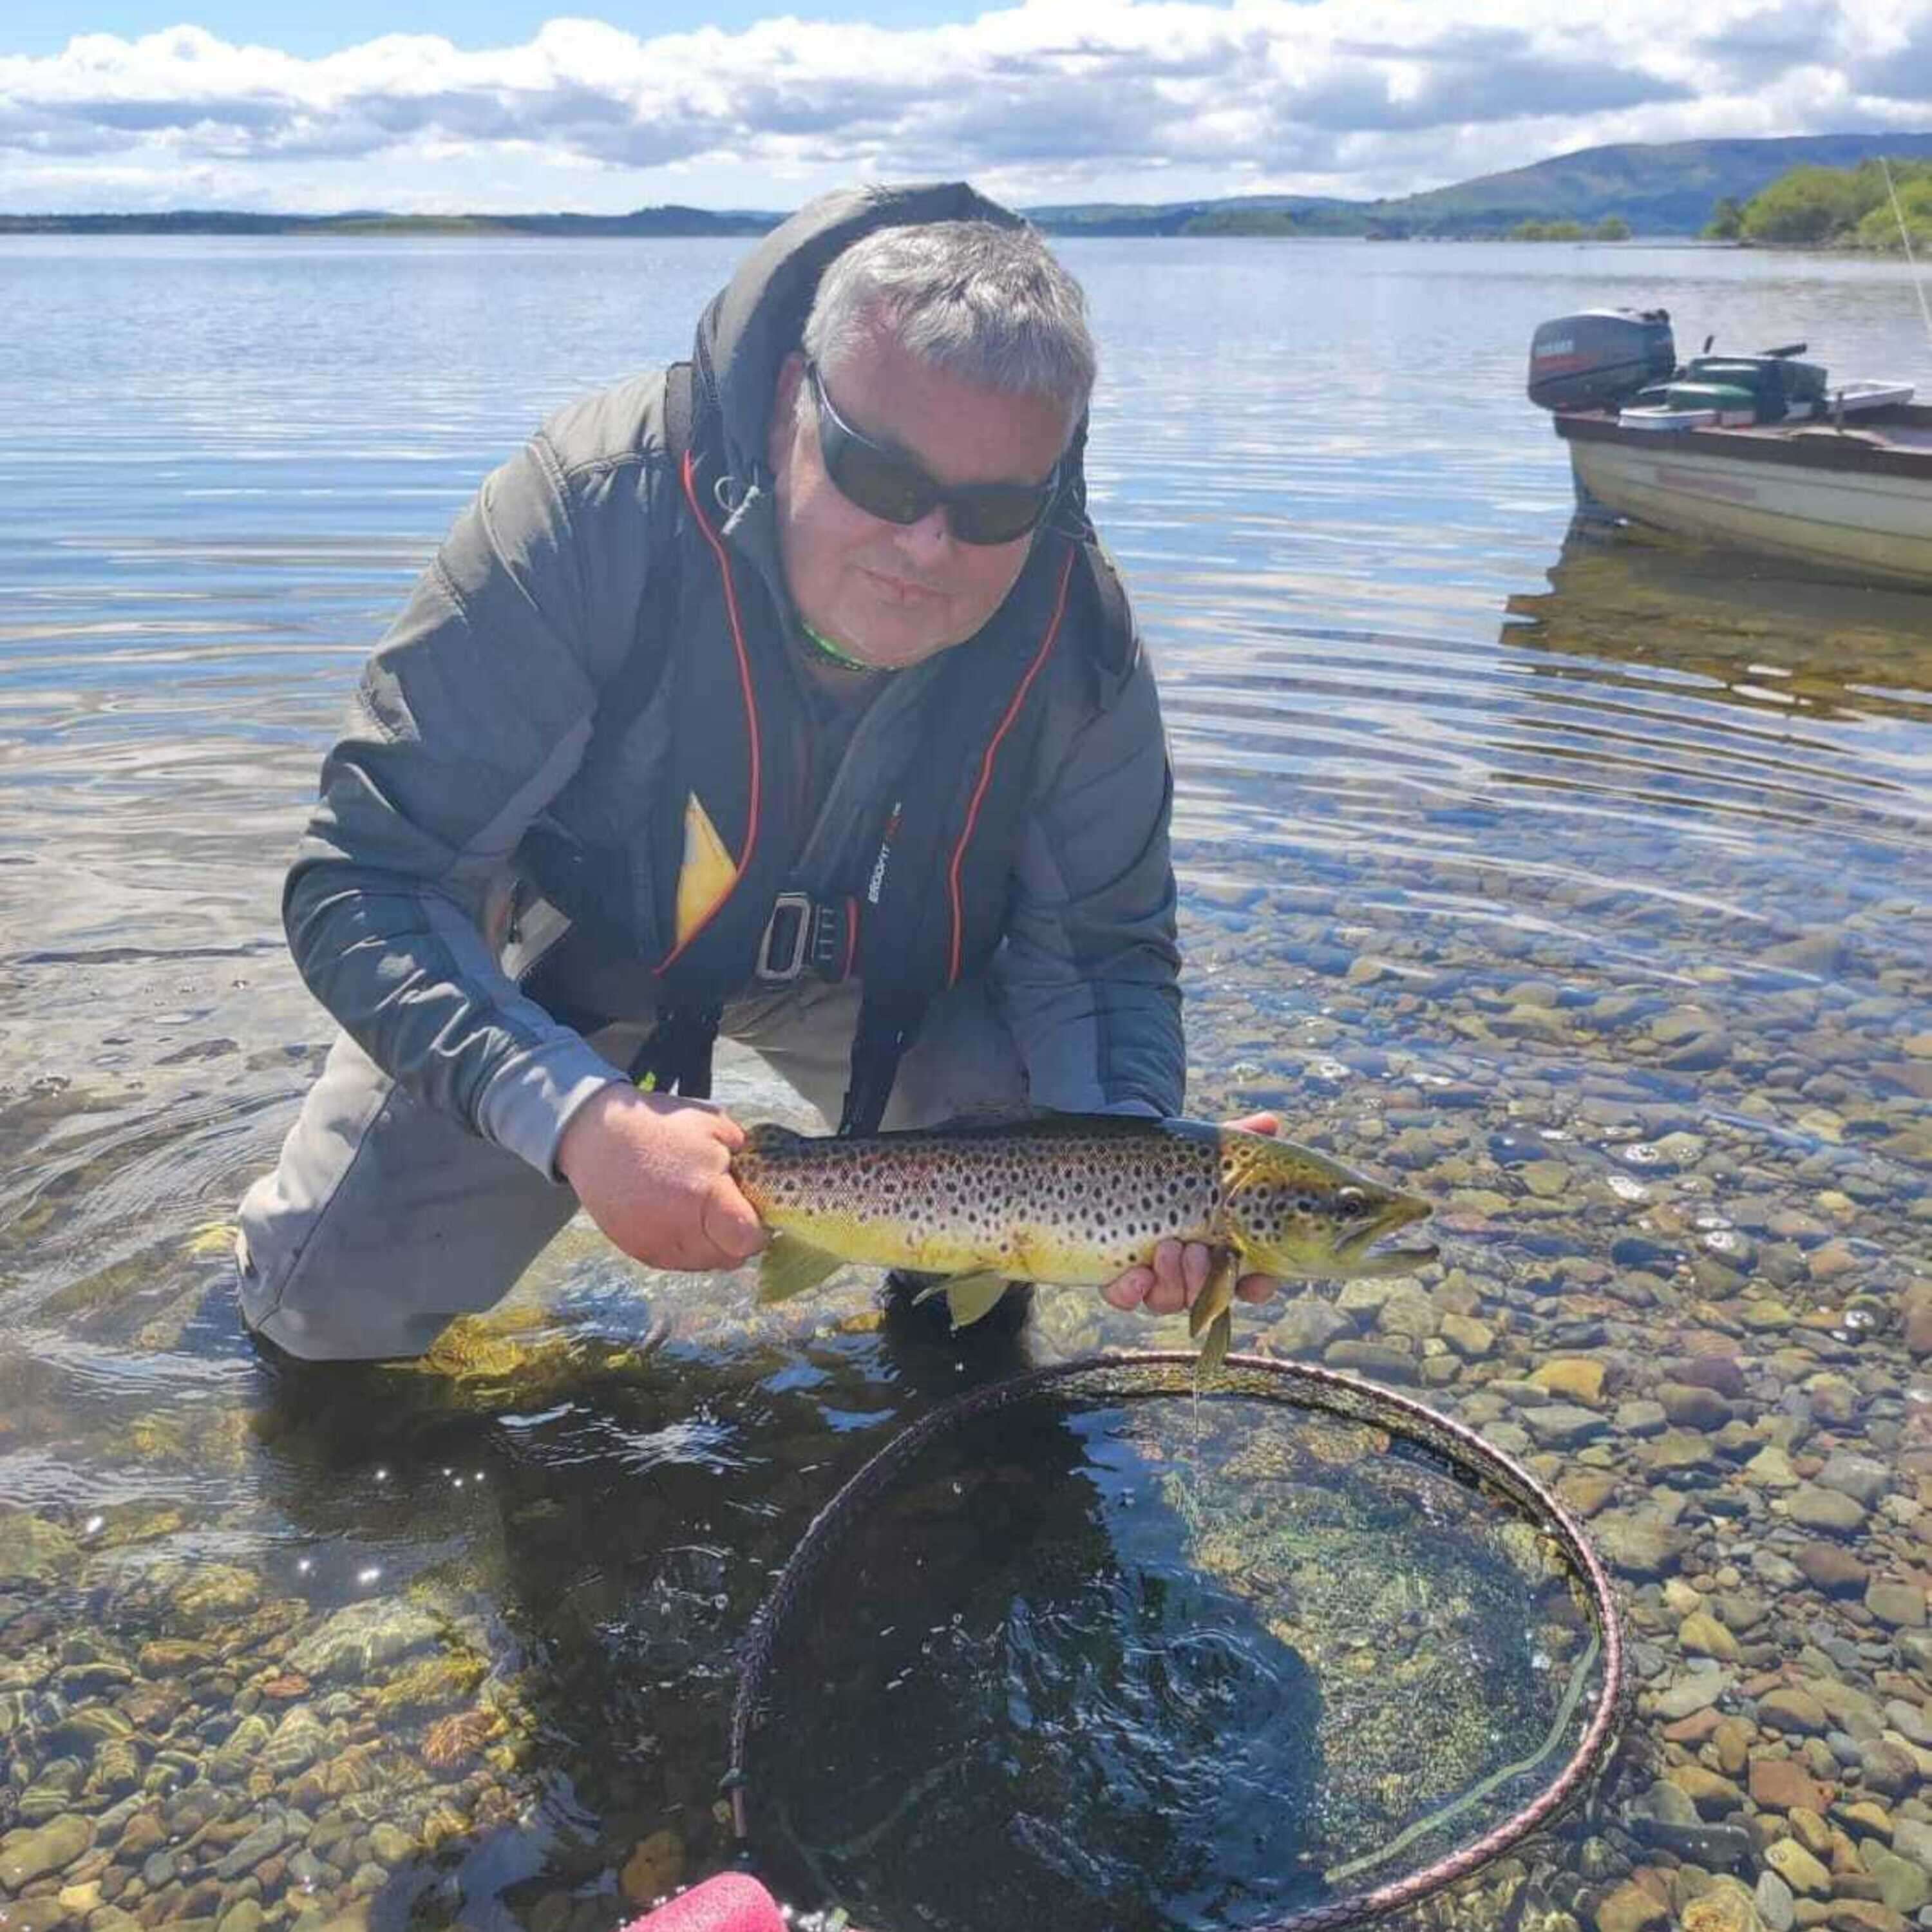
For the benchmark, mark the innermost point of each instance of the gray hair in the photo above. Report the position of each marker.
(984, 302)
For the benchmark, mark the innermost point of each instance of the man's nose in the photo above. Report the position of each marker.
(926, 542)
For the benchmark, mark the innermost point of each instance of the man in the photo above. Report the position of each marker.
(786, 694)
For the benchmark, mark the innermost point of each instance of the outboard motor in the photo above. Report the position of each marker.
(1600, 358)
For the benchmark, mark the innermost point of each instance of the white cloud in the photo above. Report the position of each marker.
(1159, 98)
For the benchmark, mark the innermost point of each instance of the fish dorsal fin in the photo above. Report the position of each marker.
(968, 1297)
(789, 1267)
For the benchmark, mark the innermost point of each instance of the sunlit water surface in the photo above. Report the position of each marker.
(1582, 887)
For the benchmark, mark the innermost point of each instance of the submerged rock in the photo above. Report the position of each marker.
(50, 1849)
(364, 1637)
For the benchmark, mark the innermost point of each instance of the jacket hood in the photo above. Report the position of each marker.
(757, 318)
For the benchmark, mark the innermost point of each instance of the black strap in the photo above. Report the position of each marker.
(676, 1057)
(889, 1023)
(627, 694)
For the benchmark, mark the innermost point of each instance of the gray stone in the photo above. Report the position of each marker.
(1669, 1803)
(263, 1842)
(1562, 1425)
(1901, 1883)
(1775, 1904)
(1911, 1838)
(1639, 1544)
(1307, 1325)
(1696, 1691)
(1382, 1361)
(1860, 1478)
(1715, 1847)
(1888, 1768)
(1642, 1417)
(1690, 1406)
(1826, 1509)
(1900, 1605)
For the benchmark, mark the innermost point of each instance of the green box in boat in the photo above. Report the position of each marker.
(1732, 405)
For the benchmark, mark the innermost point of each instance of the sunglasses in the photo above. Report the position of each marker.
(885, 484)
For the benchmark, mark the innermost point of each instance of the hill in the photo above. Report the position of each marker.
(1659, 188)
(1667, 188)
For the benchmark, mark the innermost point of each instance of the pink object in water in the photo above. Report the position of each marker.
(731, 1902)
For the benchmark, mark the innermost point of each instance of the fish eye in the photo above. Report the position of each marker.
(1350, 1198)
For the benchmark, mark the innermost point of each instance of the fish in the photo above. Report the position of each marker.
(1072, 1200)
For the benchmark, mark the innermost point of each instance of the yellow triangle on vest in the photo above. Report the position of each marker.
(707, 873)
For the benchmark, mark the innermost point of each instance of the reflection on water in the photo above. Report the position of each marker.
(1580, 887)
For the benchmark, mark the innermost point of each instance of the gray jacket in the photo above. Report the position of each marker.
(475, 715)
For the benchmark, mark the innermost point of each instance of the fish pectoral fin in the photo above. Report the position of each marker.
(968, 1297)
(1214, 1350)
(1217, 1293)
(791, 1266)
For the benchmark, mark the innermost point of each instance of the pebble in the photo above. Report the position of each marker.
(1783, 1784)
(1575, 1378)
(1628, 1907)
(1775, 1902)
(1690, 1406)
(1901, 1884)
(1825, 1509)
(1861, 1477)
(1832, 1568)
(1696, 1692)
(1900, 1605)
(1798, 1867)
(1562, 1425)
(51, 1848)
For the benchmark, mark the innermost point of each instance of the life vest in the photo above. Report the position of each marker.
(914, 904)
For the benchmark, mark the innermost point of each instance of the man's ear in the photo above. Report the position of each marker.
(783, 424)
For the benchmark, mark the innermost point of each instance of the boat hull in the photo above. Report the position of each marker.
(1870, 522)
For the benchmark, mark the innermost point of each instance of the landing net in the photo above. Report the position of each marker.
(1087, 1648)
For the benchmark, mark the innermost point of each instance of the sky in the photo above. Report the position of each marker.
(427, 106)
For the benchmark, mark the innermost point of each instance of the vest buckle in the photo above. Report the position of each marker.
(801, 936)
(787, 939)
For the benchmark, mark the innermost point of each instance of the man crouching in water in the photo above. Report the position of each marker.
(786, 694)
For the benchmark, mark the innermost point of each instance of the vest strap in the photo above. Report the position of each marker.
(889, 1023)
(676, 1057)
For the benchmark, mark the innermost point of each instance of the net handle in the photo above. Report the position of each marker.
(1312, 1388)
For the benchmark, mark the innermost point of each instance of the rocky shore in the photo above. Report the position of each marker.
(1684, 1276)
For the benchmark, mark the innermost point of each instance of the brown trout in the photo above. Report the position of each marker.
(1074, 1199)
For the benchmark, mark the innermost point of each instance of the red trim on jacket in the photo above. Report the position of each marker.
(744, 859)
(986, 771)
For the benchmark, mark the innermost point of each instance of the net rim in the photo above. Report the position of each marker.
(1310, 1386)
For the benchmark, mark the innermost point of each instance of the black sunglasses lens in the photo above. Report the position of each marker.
(875, 480)
(996, 517)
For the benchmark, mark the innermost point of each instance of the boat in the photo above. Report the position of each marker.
(1763, 453)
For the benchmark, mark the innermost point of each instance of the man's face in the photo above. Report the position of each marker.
(893, 594)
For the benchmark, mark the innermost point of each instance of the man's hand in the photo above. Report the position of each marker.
(653, 1171)
(1179, 1270)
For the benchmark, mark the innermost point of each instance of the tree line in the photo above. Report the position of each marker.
(1833, 208)
(1612, 228)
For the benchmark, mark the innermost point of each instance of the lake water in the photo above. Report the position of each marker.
(1581, 886)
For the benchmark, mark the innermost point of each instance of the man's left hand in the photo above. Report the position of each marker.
(1179, 1270)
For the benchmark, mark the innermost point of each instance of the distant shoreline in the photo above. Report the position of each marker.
(1665, 192)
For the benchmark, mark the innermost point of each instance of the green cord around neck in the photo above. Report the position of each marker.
(837, 652)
